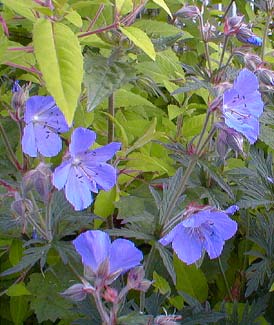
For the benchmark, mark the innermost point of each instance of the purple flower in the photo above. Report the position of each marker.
(97, 251)
(245, 35)
(206, 230)
(243, 105)
(44, 122)
(16, 87)
(85, 171)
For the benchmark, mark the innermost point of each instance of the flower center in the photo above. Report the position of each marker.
(35, 118)
(76, 161)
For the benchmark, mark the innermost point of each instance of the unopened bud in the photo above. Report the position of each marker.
(232, 25)
(252, 61)
(39, 179)
(22, 207)
(20, 95)
(188, 12)
(245, 35)
(167, 319)
(75, 292)
(265, 76)
(136, 280)
(208, 31)
(110, 294)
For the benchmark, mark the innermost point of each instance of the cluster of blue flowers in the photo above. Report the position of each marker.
(83, 171)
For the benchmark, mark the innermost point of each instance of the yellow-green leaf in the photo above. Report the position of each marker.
(18, 289)
(59, 56)
(123, 6)
(162, 4)
(74, 18)
(140, 39)
(22, 7)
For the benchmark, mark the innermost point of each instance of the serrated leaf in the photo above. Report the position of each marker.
(162, 4)
(167, 260)
(59, 56)
(140, 39)
(103, 76)
(18, 289)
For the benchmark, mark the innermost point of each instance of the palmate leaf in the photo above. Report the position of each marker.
(59, 56)
(103, 76)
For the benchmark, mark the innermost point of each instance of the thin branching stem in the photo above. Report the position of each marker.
(268, 20)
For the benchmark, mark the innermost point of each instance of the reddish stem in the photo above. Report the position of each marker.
(7, 186)
(28, 49)
(22, 67)
(98, 13)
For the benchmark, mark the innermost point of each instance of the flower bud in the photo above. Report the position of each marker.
(39, 179)
(110, 294)
(167, 319)
(75, 292)
(245, 35)
(232, 25)
(136, 280)
(228, 139)
(20, 95)
(208, 31)
(188, 12)
(265, 76)
(252, 61)
(22, 207)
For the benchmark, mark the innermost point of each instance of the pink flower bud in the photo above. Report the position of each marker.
(188, 12)
(110, 294)
(136, 280)
(232, 25)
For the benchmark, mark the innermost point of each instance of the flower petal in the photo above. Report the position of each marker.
(77, 190)
(168, 238)
(81, 140)
(36, 105)
(60, 175)
(187, 245)
(213, 243)
(49, 144)
(28, 141)
(104, 153)
(103, 174)
(124, 255)
(93, 246)
(225, 226)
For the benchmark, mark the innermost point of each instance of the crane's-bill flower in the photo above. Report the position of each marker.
(84, 171)
(205, 230)
(97, 251)
(44, 121)
(243, 105)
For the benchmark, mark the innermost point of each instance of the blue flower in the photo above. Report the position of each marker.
(245, 35)
(98, 252)
(16, 87)
(204, 230)
(44, 121)
(85, 171)
(243, 105)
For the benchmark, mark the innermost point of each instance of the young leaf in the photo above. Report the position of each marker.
(140, 39)
(162, 4)
(59, 56)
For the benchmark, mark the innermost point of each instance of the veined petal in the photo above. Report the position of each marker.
(94, 247)
(28, 141)
(124, 255)
(54, 118)
(77, 190)
(49, 144)
(188, 246)
(104, 153)
(103, 174)
(213, 243)
(36, 105)
(246, 82)
(81, 140)
(225, 226)
(60, 175)
(168, 238)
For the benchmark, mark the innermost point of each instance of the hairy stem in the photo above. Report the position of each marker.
(223, 51)
(111, 111)
(205, 43)
(100, 307)
(228, 8)
(268, 20)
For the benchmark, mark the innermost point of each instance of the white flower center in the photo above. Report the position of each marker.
(35, 118)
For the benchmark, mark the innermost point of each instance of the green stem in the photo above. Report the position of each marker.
(48, 220)
(111, 111)
(11, 154)
(225, 279)
(265, 34)
(205, 43)
(148, 265)
(41, 219)
(223, 52)
(227, 9)
(36, 226)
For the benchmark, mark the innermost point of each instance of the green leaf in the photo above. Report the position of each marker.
(140, 39)
(272, 287)
(191, 280)
(18, 309)
(161, 284)
(174, 111)
(147, 137)
(162, 4)
(104, 206)
(74, 18)
(18, 289)
(123, 6)
(58, 53)
(103, 76)
(22, 7)
(15, 252)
